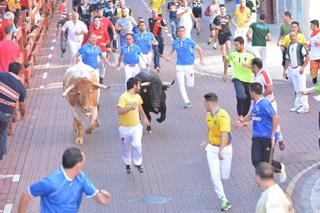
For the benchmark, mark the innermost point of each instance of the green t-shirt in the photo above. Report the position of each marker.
(285, 29)
(238, 62)
(259, 33)
(317, 87)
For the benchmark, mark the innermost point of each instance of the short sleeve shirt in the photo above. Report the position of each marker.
(73, 28)
(185, 51)
(224, 22)
(9, 52)
(218, 123)
(61, 194)
(239, 62)
(90, 54)
(130, 118)
(264, 78)
(144, 41)
(314, 50)
(131, 54)
(173, 8)
(157, 4)
(243, 17)
(259, 32)
(126, 25)
(262, 113)
(300, 38)
(285, 29)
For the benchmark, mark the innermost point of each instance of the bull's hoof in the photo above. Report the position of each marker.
(97, 123)
(89, 131)
(79, 141)
(159, 120)
(149, 130)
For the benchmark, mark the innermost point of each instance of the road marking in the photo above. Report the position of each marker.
(47, 65)
(44, 75)
(317, 97)
(52, 48)
(50, 56)
(54, 40)
(296, 178)
(7, 208)
(15, 178)
(41, 87)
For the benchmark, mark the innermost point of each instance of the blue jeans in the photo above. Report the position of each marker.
(156, 57)
(174, 25)
(5, 119)
(122, 40)
(243, 96)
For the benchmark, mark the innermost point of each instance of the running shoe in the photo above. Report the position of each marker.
(295, 109)
(225, 205)
(139, 168)
(187, 105)
(128, 169)
(303, 110)
(215, 45)
(314, 80)
(282, 145)
(209, 41)
(282, 174)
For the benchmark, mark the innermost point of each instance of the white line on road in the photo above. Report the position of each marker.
(47, 65)
(44, 75)
(41, 87)
(50, 56)
(15, 178)
(52, 48)
(7, 208)
(54, 40)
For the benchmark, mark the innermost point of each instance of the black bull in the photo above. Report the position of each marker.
(153, 95)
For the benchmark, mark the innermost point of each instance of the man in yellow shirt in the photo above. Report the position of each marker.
(130, 129)
(157, 4)
(242, 15)
(218, 146)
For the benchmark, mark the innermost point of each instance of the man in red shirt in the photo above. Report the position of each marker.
(103, 40)
(9, 50)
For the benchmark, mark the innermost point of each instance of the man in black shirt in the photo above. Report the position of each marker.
(156, 25)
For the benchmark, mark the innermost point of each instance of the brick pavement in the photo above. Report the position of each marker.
(174, 164)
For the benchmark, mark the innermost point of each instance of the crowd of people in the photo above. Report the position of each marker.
(105, 34)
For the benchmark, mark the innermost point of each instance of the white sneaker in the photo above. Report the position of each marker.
(282, 174)
(215, 45)
(295, 108)
(303, 110)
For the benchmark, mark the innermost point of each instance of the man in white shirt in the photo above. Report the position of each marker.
(76, 31)
(314, 42)
(272, 198)
(186, 16)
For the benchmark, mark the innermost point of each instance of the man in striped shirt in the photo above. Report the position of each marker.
(12, 92)
(263, 77)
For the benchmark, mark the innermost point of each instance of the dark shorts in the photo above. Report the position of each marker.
(223, 38)
(197, 12)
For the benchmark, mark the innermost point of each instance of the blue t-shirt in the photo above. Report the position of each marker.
(262, 112)
(144, 41)
(61, 194)
(131, 54)
(173, 8)
(185, 51)
(11, 91)
(90, 54)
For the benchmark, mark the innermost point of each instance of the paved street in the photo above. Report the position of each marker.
(175, 166)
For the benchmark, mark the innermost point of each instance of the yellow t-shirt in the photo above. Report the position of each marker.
(218, 123)
(243, 18)
(130, 118)
(300, 38)
(157, 4)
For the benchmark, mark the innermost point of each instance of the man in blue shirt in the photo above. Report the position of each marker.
(12, 92)
(131, 55)
(184, 47)
(145, 40)
(264, 126)
(91, 53)
(62, 191)
(173, 7)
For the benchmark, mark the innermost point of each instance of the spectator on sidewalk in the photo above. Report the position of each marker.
(12, 93)
(264, 78)
(145, 40)
(10, 51)
(259, 33)
(272, 198)
(14, 6)
(240, 61)
(156, 25)
(314, 42)
(184, 48)
(172, 8)
(212, 11)
(124, 25)
(8, 20)
(62, 190)
(130, 128)
(76, 31)
(264, 125)
(242, 15)
(297, 58)
(218, 146)
(185, 16)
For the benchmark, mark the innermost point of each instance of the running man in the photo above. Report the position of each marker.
(314, 42)
(242, 15)
(212, 11)
(130, 128)
(197, 13)
(124, 25)
(218, 146)
(173, 7)
(186, 16)
(157, 4)
(184, 47)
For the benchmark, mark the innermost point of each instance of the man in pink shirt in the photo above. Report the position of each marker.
(9, 50)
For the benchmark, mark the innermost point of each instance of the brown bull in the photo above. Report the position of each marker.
(82, 91)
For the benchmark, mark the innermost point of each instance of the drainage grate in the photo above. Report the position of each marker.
(150, 200)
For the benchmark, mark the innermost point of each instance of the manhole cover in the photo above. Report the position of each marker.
(151, 200)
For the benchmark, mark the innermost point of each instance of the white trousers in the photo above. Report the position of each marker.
(102, 66)
(148, 60)
(185, 77)
(131, 136)
(131, 72)
(299, 84)
(242, 32)
(219, 169)
(260, 52)
(74, 47)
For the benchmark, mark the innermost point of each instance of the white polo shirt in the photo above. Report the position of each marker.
(315, 50)
(73, 28)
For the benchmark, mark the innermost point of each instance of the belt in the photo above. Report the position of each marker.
(131, 65)
(295, 67)
(219, 144)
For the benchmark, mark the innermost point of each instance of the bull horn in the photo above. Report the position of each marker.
(102, 86)
(144, 84)
(67, 90)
